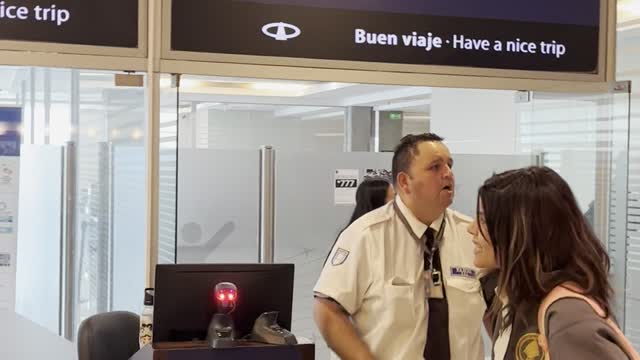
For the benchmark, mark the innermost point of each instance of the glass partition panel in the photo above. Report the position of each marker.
(584, 137)
(128, 212)
(628, 68)
(108, 124)
(632, 306)
(319, 128)
(168, 170)
(218, 206)
(98, 129)
(40, 235)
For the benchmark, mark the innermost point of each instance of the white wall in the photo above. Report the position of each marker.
(250, 129)
(475, 121)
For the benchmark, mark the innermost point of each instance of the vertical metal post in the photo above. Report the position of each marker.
(68, 241)
(110, 217)
(32, 104)
(267, 205)
(47, 106)
(538, 158)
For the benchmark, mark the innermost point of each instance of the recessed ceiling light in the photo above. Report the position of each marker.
(631, 7)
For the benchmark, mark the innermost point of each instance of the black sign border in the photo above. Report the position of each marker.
(605, 70)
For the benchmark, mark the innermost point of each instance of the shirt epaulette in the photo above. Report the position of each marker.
(375, 217)
(458, 216)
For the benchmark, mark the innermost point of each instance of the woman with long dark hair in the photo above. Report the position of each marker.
(530, 229)
(370, 195)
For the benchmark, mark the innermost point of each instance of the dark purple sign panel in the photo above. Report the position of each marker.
(87, 22)
(543, 35)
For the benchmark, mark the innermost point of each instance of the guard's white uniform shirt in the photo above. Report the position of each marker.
(376, 272)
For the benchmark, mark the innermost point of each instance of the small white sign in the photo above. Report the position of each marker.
(5, 260)
(384, 174)
(9, 174)
(345, 186)
(10, 121)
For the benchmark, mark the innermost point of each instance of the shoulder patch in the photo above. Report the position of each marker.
(339, 257)
(528, 348)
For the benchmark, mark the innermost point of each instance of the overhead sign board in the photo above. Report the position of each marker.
(113, 23)
(557, 36)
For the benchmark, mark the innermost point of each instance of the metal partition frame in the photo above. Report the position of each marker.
(266, 215)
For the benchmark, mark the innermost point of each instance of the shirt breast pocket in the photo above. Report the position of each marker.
(400, 300)
(467, 285)
(466, 305)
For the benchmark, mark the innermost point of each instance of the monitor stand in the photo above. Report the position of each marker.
(221, 332)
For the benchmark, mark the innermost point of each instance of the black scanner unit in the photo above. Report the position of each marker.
(222, 331)
(185, 302)
(267, 330)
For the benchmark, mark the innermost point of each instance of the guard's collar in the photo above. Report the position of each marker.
(417, 226)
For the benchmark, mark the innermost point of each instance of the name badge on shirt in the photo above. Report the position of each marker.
(433, 283)
(463, 272)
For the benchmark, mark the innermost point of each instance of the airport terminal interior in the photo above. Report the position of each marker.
(84, 160)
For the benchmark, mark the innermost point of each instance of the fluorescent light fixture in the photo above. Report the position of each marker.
(190, 83)
(631, 6)
(207, 105)
(332, 114)
(272, 86)
(328, 134)
(629, 25)
(416, 117)
(399, 105)
(137, 134)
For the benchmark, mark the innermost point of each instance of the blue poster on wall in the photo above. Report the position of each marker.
(10, 128)
(10, 124)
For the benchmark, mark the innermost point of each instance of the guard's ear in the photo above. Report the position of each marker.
(402, 183)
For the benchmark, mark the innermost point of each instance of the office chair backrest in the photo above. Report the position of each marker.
(109, 336)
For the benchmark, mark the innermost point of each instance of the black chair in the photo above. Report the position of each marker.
(109, 336)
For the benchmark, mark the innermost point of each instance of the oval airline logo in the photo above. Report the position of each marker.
(281, 31)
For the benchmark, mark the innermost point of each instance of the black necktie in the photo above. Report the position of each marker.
(438, 327)
(430, 238)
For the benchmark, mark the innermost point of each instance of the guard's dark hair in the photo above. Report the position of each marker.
(407, 149)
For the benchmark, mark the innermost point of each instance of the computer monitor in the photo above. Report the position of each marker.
(184, 297)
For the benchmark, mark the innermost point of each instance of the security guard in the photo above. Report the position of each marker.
(400, 281)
